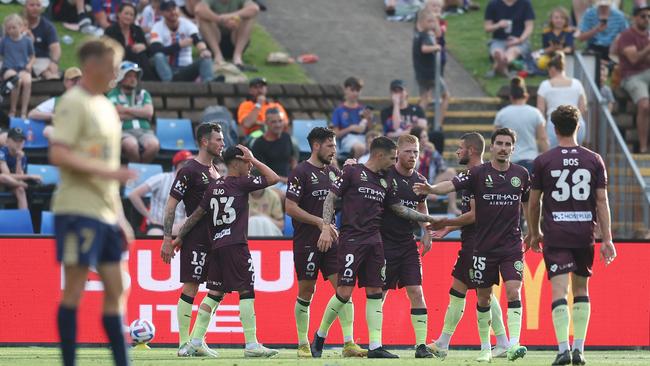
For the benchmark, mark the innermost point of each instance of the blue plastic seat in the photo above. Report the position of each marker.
(47, 223)
(288, 226)
(175, 134)
(33, 131)
(49, 173)
(145, 171)
(301, 129)
(16, 222)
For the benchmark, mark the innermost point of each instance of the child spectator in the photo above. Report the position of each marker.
(351, 119)
(557, 36)
(424, 57)
(436, 7)
(17, 52)
(150, 15)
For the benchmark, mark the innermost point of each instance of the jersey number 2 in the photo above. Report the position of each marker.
(229, 215)
(579, 191)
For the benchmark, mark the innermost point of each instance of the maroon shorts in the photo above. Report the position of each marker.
(309, 262)
(463, 268)
(485, 269)
(565, 260)
(231, 269)
(365, 261)
(403, 267)
(194, 262)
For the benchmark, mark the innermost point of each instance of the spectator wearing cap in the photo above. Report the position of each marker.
(226, 26)
(401, 116)
(13, 164)
(132, 39)
(134, 105)
(351, 119)
(105, 12)
(634, 55)
(251, 112)
(47, 48)
(599, 27)
(159, 186)
(171, 45)
(45, 110)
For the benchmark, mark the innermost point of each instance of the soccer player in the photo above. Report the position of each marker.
(365, 193)
(189, 186)
(308, 185)
(572, 183)
(230, 266)
(500, 189)
(470, 153)
(90, 226)
(403, 266)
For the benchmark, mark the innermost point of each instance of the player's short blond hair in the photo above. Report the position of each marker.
(100, 47)
(407, 139)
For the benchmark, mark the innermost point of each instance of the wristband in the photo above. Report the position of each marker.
(258, 105)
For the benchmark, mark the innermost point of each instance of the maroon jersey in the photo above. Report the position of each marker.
(498, 196)
(396, 231)
(364, 194)
(467, 232)
(569, 177)
(189, 185)
(226, 204)
(308, 187)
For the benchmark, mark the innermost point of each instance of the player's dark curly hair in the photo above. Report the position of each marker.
(565, 119)
(319, 135)
(231, 154)
(382, 143)
(205, 130)
(504, 132)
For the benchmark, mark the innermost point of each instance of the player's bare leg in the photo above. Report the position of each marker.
(247, 317)
(196, 346)
(111, 276)
(560, 314)
(419, 320)
(581, 313)
(513, 293)
(484, 318)
(75, 281)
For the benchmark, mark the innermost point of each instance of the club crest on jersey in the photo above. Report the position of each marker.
(515, 181)
(363, 176)
(519, 266)
(489, 182)
(314, 178)
(332, 176)
(383, 183)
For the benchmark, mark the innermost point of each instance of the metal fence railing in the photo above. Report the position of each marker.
(629, 195)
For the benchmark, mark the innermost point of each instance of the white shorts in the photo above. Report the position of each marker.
(350, 140)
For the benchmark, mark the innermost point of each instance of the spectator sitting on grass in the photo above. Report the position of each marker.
(511, 23)
(105, 12)
(17, 52)
(47, 48)
(350, 120)
(401, 116)
(265, 205)
(45, 111)
(599, 27)
(251, 112)
(557, 36)
(13, 164)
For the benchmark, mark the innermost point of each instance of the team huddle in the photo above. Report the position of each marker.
(382, 203)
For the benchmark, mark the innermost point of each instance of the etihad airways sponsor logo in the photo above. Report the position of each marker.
(372, 194)
(501, 199)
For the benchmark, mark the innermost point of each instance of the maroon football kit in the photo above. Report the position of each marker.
(189, 185)
(568, 178)
(308, 186)
(498, 244)
(463, 264)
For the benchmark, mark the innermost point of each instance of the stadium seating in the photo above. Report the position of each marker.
(301, 129)
(47, 223)
(33, 131)
(15, 222)
(175, 134)
(145, 171)
(49, 174)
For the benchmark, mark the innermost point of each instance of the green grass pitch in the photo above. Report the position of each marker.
(42, 356)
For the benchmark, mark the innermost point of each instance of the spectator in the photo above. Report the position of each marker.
(560, 89)
(351, 119)
(634, 54)
(511, 23)
(424, 52)
(265, 208)
(105, 12)
(226, 26)
(221, 167)
(13, 164)
(150, 15)
(599, 27)
(131, 37)
(432, 166)
(605, 91)
(436, 7)
(371, 135)
(134, 105)
(45, 110)
(557, 36)
(17, 52)
(73, 15)
(171, 45)
(276, 149)
(159, 185)
(527, 122)
(251, 112)
(46, 43)
(402, 116)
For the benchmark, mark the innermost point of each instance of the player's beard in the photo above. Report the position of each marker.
(327, 160)
(463, 160)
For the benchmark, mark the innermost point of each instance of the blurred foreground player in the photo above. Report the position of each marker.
(90, 226)
(572, 183)
(308, 185)
(230, 266)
